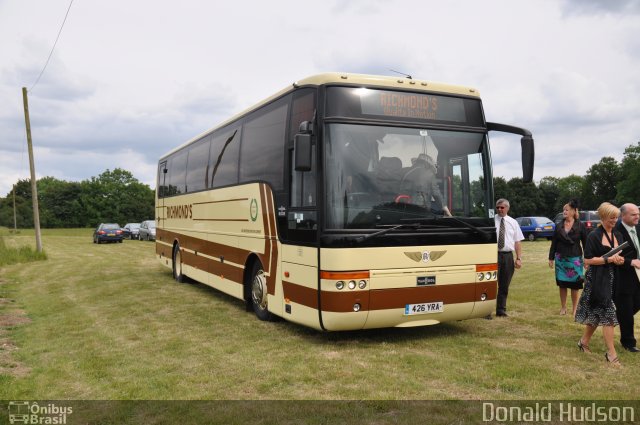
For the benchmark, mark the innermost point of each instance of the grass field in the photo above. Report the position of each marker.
(107, 322)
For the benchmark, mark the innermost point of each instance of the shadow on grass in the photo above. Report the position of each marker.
(363, 336)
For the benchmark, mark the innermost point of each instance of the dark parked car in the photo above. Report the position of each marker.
(536, 227)
(590, 219)
(107, 232)
(131, 230)
(147, 230)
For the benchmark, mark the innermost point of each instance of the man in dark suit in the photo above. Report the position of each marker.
(627, 296)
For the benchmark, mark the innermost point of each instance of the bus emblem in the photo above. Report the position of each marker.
(253, 209)
(425, 256)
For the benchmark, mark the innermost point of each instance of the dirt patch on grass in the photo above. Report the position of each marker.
(10, 318)
(8, 365)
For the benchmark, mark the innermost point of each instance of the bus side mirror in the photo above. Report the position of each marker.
(302, 152)
(528, 156)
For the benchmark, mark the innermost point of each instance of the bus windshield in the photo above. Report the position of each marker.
(379, 175)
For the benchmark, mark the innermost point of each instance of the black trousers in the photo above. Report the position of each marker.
(627, 305)
(506, 268)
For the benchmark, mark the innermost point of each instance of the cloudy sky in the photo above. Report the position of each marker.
(130, 80)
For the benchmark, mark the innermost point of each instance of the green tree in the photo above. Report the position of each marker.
(59, 206)
(525, 198)
(500, 189)
(600, 183)
(24, 210)
(550, 196)
(116, 196)
(569, 188)
(629, 184)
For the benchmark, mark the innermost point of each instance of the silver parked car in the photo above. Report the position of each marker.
(147, 231)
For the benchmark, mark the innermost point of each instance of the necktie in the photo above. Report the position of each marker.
(501, 235)
(634, 239)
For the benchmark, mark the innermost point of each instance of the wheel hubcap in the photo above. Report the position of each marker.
(259, 290)
(178, 264)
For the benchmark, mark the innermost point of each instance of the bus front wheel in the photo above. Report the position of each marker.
(259, 294)
(177, 264)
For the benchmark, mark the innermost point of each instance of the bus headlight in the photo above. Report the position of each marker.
(480, 277)
(340, 285)
(495, 275)
(362, 284)
(483, 297)
(352, 284)
(356, 307)
(487, 276)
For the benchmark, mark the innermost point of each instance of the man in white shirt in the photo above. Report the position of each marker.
(509, 237)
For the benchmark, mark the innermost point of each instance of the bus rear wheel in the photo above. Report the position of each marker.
(177, 264)
(259, 293)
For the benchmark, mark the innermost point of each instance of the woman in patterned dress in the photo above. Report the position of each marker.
(566, 249)
(596, 307)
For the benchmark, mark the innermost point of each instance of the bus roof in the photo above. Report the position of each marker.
(385, 81)
(331, 78)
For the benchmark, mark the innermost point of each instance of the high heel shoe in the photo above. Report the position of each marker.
(615, 362)
(584, 347)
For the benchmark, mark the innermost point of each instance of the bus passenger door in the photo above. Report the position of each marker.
(163, 251)
(162, 192)
(299, 250)
(458, 182)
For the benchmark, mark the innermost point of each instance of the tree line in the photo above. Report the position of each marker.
(116, 196)
(608, 180)
(113, 197)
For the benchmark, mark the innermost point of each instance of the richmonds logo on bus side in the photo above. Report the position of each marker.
(180, 211)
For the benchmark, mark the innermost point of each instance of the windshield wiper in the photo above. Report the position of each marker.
(484, 234)
(435, 218)
(361, 239)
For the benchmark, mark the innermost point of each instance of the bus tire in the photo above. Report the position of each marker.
(259, 294)
(176, 264)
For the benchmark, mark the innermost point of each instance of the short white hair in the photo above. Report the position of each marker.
(502, 201)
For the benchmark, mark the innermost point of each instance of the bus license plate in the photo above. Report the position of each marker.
(424, 308)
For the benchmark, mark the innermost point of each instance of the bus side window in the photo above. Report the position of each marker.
(197, 165)
(161, 183)
(262, 145)
(303, 184)
(175, 179)
(223, 157)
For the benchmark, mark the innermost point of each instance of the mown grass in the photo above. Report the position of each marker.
(108, 322)
(17, 253)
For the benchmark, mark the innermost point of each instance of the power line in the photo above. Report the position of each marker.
(54, 46)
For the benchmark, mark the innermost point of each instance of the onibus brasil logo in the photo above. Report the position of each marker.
(27, 412)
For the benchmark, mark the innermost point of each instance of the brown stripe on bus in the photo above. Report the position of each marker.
(212, 249)
(384, 299)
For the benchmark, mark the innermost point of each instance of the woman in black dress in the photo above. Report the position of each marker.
(596, 307)
(566, 249)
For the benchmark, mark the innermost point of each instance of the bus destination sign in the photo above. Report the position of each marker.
(398, 105)
(413, 105)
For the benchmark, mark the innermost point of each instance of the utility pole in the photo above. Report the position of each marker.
(15, 221)
(34, 186)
